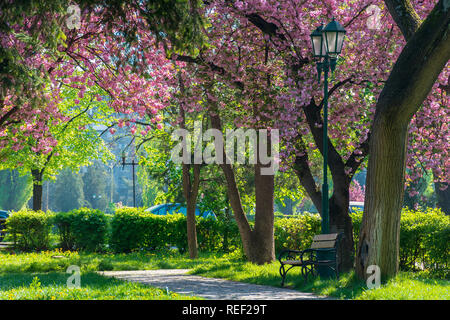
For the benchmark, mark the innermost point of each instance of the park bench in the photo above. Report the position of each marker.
(322, 253)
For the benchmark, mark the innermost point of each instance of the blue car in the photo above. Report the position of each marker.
(3, 216)
(173, 208)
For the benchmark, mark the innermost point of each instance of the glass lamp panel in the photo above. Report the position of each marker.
(340, 42)
(317, 46)
(324, 48)
(330, 38)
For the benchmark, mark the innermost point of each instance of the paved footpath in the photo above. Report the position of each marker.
(177, 280)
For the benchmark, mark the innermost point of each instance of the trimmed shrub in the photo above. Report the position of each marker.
(424, 238)
(296, 232)
(82, 229)
(63, 222)
(30, 229)
(214, 235)
(133, 229)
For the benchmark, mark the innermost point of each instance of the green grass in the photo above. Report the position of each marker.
(39, 276)
(52, 286)
(45, 261)
(408, 286)
(17, 272)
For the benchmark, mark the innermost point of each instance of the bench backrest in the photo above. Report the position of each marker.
(325, 241)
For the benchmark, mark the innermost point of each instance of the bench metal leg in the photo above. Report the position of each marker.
(308, 269)
(283, 273)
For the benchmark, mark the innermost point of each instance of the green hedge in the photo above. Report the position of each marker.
(30, 229)
(82, 229)
(424, 238)
(296, 232)
(133, 229)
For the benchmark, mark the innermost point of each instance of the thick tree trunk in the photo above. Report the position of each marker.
(37, 189)
(443, 196)
(409, 83)
(262, 237)
(379, 235)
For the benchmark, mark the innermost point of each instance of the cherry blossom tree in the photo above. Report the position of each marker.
(91, 59)
(39, 48)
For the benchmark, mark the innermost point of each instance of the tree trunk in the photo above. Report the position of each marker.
(190, 189)
(262, 237)
(236, 205)
(380, 229)
(258, 244)
(443, 196)
(408, 85)
(37, 189)
(341, 222)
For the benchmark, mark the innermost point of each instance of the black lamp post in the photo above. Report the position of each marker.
(327, 45)
(132, 164)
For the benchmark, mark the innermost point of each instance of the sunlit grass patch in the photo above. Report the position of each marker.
(53, 286)
(407, 286)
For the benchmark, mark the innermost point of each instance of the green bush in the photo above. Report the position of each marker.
(214, 235)
(296, 232)
(356, 217)
(82, 229)
(424, 238)
(30, 229)
(63, 222)
(133, 229)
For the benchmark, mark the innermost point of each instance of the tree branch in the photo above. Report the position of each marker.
(404, 16)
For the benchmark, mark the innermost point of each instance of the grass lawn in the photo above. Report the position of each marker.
(42, 276)
(39, 276)
(56, 260)
(52, 286)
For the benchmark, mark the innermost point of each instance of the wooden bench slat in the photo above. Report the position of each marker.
(323, 244)
(325, 237)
